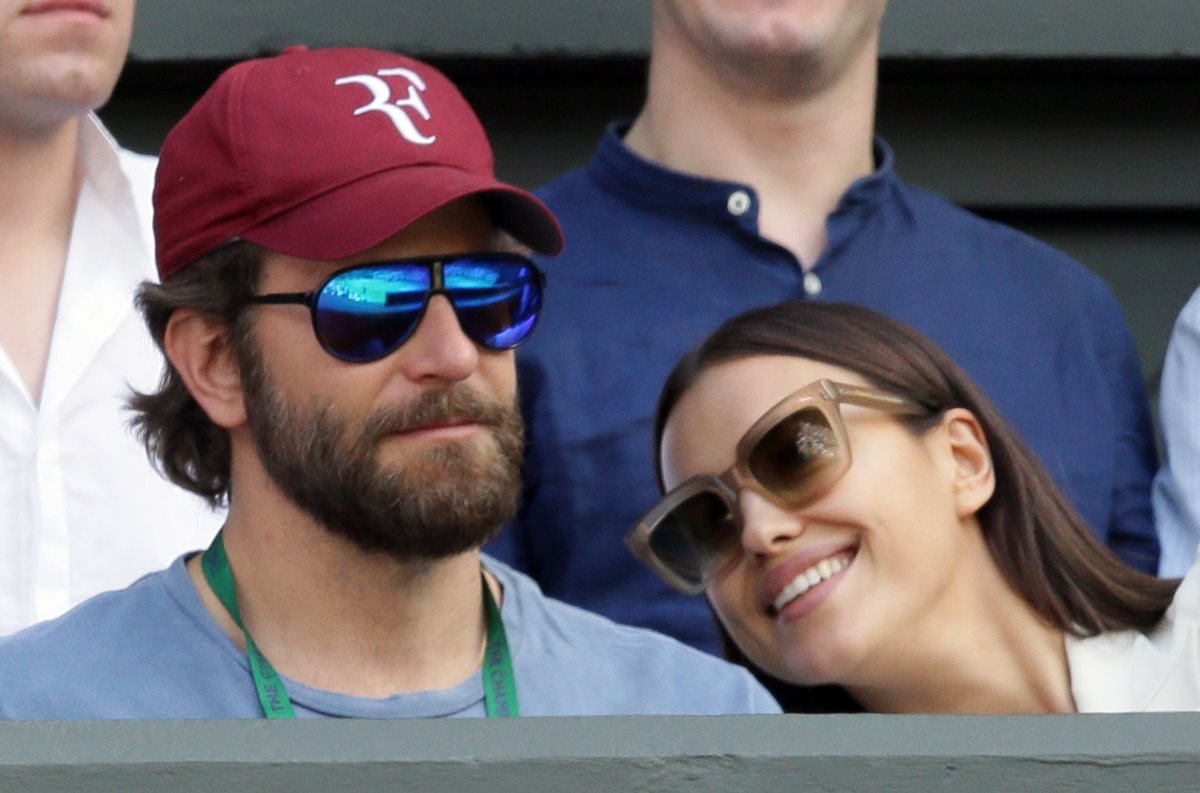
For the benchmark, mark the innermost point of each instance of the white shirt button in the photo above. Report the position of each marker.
(812, 284)
(738, 203)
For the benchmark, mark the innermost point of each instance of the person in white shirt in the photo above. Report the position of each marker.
(81, 508)
(1177, 486)
(873, 535)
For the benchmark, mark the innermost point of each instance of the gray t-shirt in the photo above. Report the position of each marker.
(152, 651)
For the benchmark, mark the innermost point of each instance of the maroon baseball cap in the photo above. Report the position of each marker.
(322, 154)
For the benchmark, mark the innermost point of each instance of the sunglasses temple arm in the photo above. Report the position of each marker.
(303, 298)
(870, 398)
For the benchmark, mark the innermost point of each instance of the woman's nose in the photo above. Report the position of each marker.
(766, 527)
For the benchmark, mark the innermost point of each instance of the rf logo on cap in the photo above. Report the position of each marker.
(381, 100)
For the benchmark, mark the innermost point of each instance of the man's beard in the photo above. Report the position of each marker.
(439, 502)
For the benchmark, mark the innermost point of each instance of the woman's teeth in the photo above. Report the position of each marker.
(821, 571)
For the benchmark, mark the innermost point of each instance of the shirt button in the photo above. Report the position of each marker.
(738, 203)
(812, 284)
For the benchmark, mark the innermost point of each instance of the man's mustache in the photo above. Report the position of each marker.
(456, 404)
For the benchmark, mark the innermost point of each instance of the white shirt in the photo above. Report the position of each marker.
(1131, 672)
(81, 508)
(1176, 491)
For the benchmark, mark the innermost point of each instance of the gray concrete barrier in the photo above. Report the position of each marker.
(786, 753)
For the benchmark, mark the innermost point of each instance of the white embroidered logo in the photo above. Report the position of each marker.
(381, 95)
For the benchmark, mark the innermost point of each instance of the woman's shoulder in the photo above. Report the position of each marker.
(1129, 671)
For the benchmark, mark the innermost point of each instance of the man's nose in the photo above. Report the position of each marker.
(438, 348)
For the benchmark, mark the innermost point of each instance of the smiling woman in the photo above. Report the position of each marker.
(873, 536)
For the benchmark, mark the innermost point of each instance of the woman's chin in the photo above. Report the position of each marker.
(808, 669)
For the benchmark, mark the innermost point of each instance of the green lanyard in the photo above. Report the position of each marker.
(499, 685)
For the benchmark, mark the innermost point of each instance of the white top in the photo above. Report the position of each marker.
(1131, 672)
(81, 509)
(1177, 487)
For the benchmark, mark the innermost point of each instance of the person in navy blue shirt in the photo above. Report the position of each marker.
(752, 176)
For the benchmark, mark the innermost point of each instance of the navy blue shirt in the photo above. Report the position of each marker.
(656, 259)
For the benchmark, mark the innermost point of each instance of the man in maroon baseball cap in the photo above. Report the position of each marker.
(323, 154)
(343, 285)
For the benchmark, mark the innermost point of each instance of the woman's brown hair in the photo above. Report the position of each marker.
(1040, 544)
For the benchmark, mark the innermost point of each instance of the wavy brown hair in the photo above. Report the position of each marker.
(180, 439)
(1040, 544)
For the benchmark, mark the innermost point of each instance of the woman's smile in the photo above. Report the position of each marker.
(803, 587)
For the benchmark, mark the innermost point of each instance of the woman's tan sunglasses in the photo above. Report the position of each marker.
(795, 452)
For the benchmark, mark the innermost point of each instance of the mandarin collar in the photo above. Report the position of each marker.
(640, 181)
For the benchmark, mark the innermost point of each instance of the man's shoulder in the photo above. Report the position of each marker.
(581, 663)
(582, 197)
(990, 237)
(108, 608)
(960, 238)
(570, 190)
(81, 664)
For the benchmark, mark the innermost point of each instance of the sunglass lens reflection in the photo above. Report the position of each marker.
(791, 458)
(364, 314)
(497, 305)
(694, 536)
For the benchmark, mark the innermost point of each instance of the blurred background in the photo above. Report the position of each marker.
(1077, 121)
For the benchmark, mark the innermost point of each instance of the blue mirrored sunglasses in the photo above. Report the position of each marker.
(366, 311)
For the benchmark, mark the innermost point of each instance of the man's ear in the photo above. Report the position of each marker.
(974, 476)
(199, 347)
